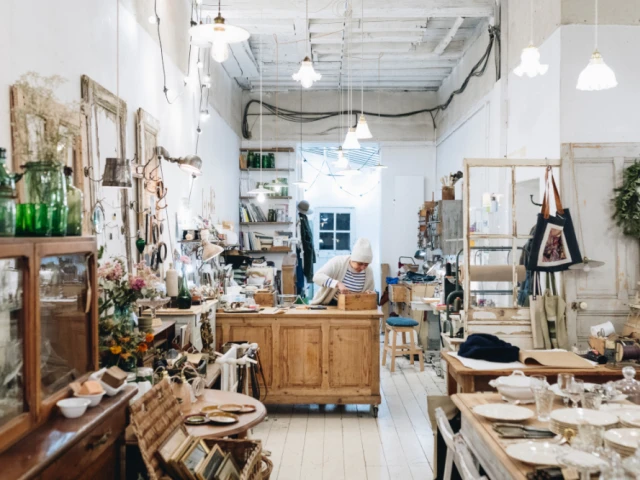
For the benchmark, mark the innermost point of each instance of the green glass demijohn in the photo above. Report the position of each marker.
(45, 210)
(74, 204)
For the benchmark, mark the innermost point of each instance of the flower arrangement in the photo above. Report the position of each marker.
(120, 343)
(627, 201)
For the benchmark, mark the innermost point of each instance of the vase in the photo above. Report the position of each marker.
(45, 210)
(74, 203)
(184, 296)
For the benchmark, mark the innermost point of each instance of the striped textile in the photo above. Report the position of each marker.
(354, 281)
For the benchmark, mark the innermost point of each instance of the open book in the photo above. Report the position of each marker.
(554, 358)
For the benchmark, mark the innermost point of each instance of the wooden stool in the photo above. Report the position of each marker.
(402, 325)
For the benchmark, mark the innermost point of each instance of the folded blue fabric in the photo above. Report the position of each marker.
(483, 346)
(401, 322)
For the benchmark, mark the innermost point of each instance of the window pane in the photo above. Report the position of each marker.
(343, 241)
(326, 221)
(11, 333)
(64, 324)
(343, 221)
(326, 240)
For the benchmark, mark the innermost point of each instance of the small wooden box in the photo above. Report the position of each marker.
(265, 299)
(399, 294)
(358, 301)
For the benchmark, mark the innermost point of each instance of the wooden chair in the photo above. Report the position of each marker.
(447, 435)
(457, 451)
(401, 325)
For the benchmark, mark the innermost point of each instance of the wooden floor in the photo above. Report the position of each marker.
(309, 442)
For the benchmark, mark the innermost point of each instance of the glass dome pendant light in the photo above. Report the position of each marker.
(597, 75)
(530, 57)
(362, 130)
(306, 75)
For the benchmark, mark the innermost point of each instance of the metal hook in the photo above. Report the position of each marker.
(87, 171)
(536, 204)
(133, 205)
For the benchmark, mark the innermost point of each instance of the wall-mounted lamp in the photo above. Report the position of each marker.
(191, 164)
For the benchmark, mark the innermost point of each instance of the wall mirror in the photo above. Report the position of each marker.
(105, 119)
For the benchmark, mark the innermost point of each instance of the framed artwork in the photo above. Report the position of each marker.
(194, 455)
(207, 469)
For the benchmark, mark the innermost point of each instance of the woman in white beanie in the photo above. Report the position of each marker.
(345, 274)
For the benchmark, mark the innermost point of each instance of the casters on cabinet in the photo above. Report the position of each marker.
(374, 411)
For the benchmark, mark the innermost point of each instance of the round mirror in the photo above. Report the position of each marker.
(98, 219)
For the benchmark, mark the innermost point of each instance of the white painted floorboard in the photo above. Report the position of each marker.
(310, 442)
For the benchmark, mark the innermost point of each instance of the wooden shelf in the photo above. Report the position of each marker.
(267, 197)
(284, 252)
(269, 150)
(266, 223)
(268, 170)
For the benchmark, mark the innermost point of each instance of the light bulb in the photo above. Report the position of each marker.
(306, 75)
(586, 268)
(152, 19)
(530, 63)
(200, 64)
(261, 198)
(220, 51)
(597, 75)
(204, 115)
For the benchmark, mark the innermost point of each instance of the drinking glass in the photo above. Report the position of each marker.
(575, 391)
(564, 380)
(544, 403)
(591, 400)
(589, 437)
(538, 382)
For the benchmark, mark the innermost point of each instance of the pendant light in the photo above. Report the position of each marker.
(362, 130)
(307, 75)
(597, 75)
(342, 161)
(351, 140)
(530, 57)
(260, 192)
(117, 171)
(217, 35)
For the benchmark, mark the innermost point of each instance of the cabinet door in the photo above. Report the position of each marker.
(17, 400)
(350, 356)
(301, 356)
(65, 308)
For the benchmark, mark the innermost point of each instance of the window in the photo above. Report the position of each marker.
(334, 230)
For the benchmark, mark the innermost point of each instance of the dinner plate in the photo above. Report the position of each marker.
(230, 408)
(535, 453)
(619, 410)
(501, 411)
(574, 416)
(196, 419)
(578, 459)
(624, 437)
(247, 409)
(630, 418)
(223, 418)
(556, 389)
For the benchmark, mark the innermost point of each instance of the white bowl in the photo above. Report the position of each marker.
(94, 399)
(73, 407)
(516, 386)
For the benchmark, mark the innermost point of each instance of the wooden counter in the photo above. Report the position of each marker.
(461, 379)
(312, 356)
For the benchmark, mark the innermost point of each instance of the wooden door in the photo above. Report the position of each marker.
(592, 171)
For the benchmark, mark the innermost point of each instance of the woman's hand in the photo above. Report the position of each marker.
(342, 288)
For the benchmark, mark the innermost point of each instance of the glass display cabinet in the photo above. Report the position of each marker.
(48, 327)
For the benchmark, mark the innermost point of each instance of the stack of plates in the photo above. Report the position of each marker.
(565, 418)
(630, 418)
(624, 441)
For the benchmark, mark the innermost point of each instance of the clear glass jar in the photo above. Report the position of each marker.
(75, 204)
(7, 213)
(629, 386)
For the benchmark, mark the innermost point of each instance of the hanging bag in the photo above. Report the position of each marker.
(539, 325)
(555, 312)
(554, 247)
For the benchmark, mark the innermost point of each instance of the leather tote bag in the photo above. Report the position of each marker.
(554, 247)
(539, 325)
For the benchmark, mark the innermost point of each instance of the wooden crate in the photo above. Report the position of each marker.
(399, 294)
(358, 301)
(264, 299)
(421, 290)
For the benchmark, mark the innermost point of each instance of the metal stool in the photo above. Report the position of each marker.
(401, 325)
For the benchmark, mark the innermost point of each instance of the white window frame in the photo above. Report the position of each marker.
(352, 231)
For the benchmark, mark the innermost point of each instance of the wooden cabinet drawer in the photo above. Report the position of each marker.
(94, 447)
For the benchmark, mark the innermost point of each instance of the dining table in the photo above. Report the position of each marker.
(486, 445)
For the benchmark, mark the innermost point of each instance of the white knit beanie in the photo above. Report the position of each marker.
(361, 251)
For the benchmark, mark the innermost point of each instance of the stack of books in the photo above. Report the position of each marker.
(250, 212)
(188, 458)
(252, 241)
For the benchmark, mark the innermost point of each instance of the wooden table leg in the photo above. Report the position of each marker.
(452, 384)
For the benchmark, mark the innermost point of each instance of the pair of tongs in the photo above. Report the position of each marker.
(515, 430)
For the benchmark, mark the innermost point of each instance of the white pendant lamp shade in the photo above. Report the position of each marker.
(351, 140)
(306, 75)
(362, 130)
(530, 63)
(597, 75)
(342, 161)
(217, 35)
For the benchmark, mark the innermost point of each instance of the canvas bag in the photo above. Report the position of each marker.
(539, 325)
(554, 247)
(555, 312)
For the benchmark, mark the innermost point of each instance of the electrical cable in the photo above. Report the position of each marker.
(308, 117)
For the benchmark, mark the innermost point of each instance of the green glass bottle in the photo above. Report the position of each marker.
(45, 210)
(7, 198)
(74, 203)
(184, 295)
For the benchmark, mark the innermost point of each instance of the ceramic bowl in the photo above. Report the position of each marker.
(94, 399)
(73, 407)
(516, 386)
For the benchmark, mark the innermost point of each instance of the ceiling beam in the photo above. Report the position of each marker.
(444, 43)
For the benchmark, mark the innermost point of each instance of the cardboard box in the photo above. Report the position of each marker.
(358, 301)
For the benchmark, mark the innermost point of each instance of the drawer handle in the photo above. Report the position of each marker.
(100, 441)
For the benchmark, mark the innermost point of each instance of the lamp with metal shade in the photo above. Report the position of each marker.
(210, 251)
(191, 164)
(117, 173)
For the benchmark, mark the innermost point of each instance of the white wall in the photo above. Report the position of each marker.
(80, 38)
(399, 227)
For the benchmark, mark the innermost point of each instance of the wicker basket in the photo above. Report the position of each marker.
(267, 467)
(246, 453)
(156, 414)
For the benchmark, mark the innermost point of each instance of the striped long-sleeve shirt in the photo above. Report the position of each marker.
(354, 281)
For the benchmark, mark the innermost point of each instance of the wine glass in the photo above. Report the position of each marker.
(575, 391)
(564, 380)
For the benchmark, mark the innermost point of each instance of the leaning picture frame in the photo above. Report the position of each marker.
(195, 454)
(208, 467)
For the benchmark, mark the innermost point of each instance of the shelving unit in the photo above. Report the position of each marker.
(264, 223)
